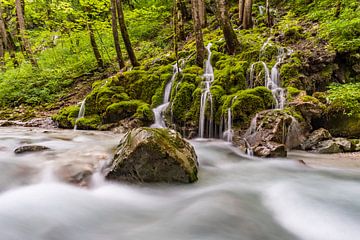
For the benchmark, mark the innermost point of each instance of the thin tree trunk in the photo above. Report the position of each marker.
(200, 49)
(232, 43)
(175, 22)
(338, 8)
(95, 48)
(2, 54)
(241, 11)
(22, 30)
(180, 19)
(202, 13)
(125, 34)
(269, 21)
(115, 32)
(247, 21)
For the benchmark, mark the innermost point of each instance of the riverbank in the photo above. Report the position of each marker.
(349, 160)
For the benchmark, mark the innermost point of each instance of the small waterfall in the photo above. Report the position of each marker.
(249, 151)
(206, 97)
(81, 113)
(263, 47)
(294, 135)
(158, 111)
(272, 80)
(228, 134)
(261, 10)
(253, 126)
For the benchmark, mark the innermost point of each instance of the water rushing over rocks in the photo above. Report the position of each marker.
(158, 111)
(206, 98)
(81, 112)
(234, 199)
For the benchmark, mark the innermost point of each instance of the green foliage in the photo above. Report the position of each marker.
(66, 117)
(182, 102)
(344, 98)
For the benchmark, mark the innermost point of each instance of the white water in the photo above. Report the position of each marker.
(158, 111)
(206, 98)
(272, 81)
(81, 113)
(234, 199)
(228, 133)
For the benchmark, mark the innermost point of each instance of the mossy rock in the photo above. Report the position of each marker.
(341, 125)
(154, 155)
(182, 102)
(66, 117)
(92, 122)
(126, 109)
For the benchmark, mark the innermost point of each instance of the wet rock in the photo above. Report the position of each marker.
(343, 143)
(154, 155)
(309, 109)
(40, 123)
(328, 146)
(30, 148)
(76, 173)
(355, 145)
(272, 132)
(315, 137)
(271, 149)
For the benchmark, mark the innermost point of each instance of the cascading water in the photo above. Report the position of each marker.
(206, 97)
(81, 113)
(229, 132)
(272, 80)
(158, 111)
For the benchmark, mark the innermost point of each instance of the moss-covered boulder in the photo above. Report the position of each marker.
(91, 122)
(154, 155)
(126, 109)
(342, 125)
(66, 117)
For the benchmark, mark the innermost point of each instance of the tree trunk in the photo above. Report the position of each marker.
(95, 48)
(175, 22)
(115, 32)
(202, 13)
(125, 34)
(269, 20)
(22, 30)
(241, 11)
(200, 49)
(247, 21)
(338, 8)
(180, 6)
(232, 43)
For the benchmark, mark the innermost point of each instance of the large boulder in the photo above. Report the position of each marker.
(154, 155)
(314, 138)
(272, 132)
(334, 145)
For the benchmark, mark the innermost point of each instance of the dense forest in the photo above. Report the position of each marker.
(301, 57)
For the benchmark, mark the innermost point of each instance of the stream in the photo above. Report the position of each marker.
(237, 196)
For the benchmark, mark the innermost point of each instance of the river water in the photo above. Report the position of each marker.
(235, 197)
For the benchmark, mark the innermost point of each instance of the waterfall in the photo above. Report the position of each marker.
(81, 113)
(272, 80)
(249, 151)
(294, 135)
(228, 134)
(261, 10)
(206, 97)
(253, 126)
(158, 111)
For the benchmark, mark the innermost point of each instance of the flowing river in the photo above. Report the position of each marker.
(235, 197)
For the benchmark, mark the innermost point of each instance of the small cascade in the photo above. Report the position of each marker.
(158, 111)
(294, 135)
(253, 126)
(272, 79)
(249, 151)
(206, 97)
(263, 47)
(81, 113)
(261, 10)
(228, 134)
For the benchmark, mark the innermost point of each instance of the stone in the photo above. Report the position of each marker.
(315, 137)
(343, 143)
(30, 148)
(154, 155)
(328, 146)
(271, 149)
(272, 132)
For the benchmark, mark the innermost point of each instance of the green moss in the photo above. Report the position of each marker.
(292, 93)
(307, 98)
(121, 110)
(321, 96)
(89, 122)
(264, 93)
(245, 106)
(290, 72)
(182, 102)
(144, 113)
(65, 118)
